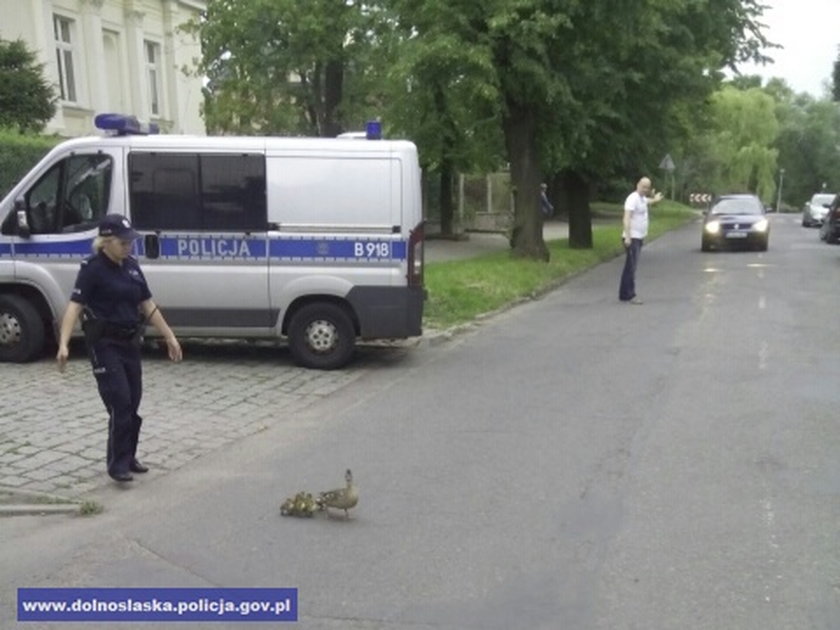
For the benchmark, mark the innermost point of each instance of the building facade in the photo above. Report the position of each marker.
(125, 56)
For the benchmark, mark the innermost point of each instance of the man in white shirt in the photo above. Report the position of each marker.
(633, 236)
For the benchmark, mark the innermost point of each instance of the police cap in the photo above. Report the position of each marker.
(117, 225)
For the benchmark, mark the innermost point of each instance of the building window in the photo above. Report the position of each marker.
(113, 70)
(153, 75)
(63, 31)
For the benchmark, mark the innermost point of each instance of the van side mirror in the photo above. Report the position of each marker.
(22, 222)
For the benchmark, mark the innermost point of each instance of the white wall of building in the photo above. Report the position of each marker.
(123, 56)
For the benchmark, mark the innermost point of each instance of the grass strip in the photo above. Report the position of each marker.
(461, 290)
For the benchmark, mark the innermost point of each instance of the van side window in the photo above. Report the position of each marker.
(180, 191)
(70, 197)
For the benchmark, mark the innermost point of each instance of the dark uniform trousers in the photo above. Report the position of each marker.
(116, 366)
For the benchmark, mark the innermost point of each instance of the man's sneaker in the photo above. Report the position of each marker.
(636, 301)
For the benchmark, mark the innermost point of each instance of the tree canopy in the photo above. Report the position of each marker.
(284, 66)
(27, 101)
(574, 92)
(808, 143)
(740, 143)
(835, 78)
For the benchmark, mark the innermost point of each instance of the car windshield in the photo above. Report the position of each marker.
(822, 199)
(746, 205)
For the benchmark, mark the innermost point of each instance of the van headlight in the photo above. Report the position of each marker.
(713, 227)
(761, 226)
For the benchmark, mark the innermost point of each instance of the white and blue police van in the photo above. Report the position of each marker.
(318, 241)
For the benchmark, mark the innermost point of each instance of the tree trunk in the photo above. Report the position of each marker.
(525, 174)
(558, 198)
(446, 206)
(576, 197)
(447, 168)
(333, 92)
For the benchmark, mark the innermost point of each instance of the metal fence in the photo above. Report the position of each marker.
(482, 202)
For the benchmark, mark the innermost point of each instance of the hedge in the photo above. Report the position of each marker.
(19, 153)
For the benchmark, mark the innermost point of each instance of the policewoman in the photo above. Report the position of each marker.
(115, 303)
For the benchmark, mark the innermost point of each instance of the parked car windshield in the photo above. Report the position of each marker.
(821, 200)
(738, 206)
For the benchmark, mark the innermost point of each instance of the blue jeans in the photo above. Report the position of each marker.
(627, 289)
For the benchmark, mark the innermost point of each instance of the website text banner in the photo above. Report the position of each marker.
(157, 604)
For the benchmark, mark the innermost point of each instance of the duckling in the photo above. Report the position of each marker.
(342, 498)
(302, 504)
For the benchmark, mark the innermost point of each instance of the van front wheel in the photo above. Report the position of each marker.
(21, 330)
(321, 336)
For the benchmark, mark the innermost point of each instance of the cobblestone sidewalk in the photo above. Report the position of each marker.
(53, 426)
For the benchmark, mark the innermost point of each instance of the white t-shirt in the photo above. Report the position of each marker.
(637, 206)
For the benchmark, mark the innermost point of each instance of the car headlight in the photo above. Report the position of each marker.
(713, 227)
(761, 226)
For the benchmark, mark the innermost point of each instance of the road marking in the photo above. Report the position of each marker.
(769, 517)
(763, 353)
(762, 303)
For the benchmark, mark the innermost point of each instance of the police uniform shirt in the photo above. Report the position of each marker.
(112, 291)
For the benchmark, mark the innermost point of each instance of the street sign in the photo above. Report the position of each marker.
(699, 198)
(667, 163)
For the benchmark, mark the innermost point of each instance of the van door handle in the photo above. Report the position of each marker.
(151, 245)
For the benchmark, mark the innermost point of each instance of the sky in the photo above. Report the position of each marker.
(809, 30)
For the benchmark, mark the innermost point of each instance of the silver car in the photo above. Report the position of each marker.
(815, 210)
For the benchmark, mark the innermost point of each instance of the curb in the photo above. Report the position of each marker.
(33, 509)
(20, 503)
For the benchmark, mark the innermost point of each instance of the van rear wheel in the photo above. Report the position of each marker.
(21, 330)
(321, 336)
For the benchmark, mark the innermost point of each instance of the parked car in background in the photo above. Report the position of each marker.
(814, 211)
(736, 220)
(830, 229)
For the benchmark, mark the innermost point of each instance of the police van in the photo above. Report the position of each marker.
(319, 241)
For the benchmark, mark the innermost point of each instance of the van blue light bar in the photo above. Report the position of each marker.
(373, 130)
(124, 124)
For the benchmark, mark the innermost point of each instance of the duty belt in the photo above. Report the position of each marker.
(96, 329)
(114, 331)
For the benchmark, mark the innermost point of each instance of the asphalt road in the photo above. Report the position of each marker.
(572, 463)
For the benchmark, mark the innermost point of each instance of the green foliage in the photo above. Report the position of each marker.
(591, 92)
(442, 87)
(636, 68)
(19, 153)
(27, 101)
(461, 290)
(90, 508)
(835, 79)
(809, 147)
(284, 66)
(740, 144)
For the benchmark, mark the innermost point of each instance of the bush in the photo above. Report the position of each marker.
(19, 153)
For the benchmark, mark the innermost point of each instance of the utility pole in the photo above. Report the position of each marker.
(779, 196)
